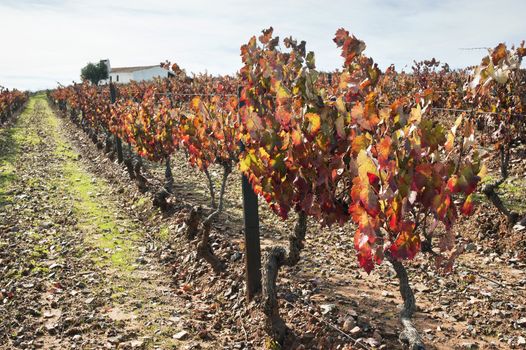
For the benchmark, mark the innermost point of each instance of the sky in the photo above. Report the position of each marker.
(43, 42)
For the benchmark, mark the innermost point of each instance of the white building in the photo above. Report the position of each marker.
(140, 73)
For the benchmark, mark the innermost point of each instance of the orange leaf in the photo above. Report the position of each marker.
(297, 138)
(195, 103)
(467, 207)
(384, 149)
(407, 244)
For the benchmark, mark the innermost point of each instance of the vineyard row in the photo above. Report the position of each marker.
(357, 145)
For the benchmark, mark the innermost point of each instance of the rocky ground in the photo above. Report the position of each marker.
(86, 262)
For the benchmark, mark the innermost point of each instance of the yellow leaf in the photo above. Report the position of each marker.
(195, 102)
(416, 115)
(344, 79)
(365, 165)
(359, 143)
(315, 122)
(450, 142)
(340, 105)
(458, 121)
(244, 164)
(483, 172)
(264, 154)
(281, 92)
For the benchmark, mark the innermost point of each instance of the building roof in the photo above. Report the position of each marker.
(131, 69)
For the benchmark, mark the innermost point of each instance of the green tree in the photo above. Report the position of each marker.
(94, 72)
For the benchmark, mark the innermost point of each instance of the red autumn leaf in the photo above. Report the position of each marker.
(467, 207)
(452, 184)
(425, 169)
(498, 53)
(373, 179)
(283, 116)
(362, 191)
(393, 222)
(363, 249)
(266, 36)
(441, 204)
(407, 244)
(351, 46)
(366, 223)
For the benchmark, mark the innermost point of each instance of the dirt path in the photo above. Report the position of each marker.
(75, 271)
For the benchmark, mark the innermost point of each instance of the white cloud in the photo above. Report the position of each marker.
(48, 41)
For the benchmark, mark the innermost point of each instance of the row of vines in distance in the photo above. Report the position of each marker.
(10, 102)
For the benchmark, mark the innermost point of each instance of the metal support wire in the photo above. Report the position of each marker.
(172, 94)
(470, 111)
(474, 48)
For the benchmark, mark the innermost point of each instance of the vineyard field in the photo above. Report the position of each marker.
(283, 206)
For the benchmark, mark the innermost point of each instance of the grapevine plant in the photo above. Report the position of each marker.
(10, 101)
(498, 86)
(335, 155)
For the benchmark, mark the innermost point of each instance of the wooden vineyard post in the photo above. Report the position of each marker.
(252, 244)
(118, 142)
